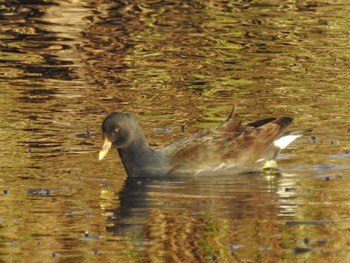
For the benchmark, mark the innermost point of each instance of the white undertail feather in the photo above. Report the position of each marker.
(284, 141)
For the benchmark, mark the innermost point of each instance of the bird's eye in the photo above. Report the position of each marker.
(116, 130)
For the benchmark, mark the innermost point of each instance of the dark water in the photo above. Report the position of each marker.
(65, 64)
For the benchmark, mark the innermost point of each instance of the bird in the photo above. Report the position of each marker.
(232, 146)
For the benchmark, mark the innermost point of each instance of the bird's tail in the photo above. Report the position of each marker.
(278, 145)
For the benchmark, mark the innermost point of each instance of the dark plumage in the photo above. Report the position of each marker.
(231, 145)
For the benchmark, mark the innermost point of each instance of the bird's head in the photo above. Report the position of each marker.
(118, 130)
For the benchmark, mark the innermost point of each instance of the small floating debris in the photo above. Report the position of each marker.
(295, 190)
(290, 189)
(264, 248)
(328, 177)
(45, 192)
(313, 240)
(87, 236)
(4, 192)
(313, 139)
(298, 223)
(143, 243)
(166, 130)
(72, 213)
(97, 252)
(214, 256)
(84, 134)
(234, 247)
(300, 250)
(335, 142)
(13, 244)
(182, 127)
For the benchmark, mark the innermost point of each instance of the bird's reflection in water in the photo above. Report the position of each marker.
(249, 197)
(136, 199)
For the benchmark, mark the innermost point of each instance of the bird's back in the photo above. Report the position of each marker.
(231, 144)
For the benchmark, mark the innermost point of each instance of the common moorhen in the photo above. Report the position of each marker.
(231, 145)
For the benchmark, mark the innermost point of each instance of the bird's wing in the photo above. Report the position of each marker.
(230, 143)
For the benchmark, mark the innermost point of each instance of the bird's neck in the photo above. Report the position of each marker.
(139, 159)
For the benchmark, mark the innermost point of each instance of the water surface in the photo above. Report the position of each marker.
(65, 64)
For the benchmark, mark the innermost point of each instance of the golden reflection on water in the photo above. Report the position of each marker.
(65, 65)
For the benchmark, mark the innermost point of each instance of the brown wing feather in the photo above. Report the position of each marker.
(231, 143)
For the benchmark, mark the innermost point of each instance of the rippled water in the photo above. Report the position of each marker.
(65, 64)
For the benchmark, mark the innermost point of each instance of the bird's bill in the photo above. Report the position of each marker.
(107, 144)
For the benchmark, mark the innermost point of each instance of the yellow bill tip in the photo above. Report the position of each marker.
(102, 154)
(105, 148)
